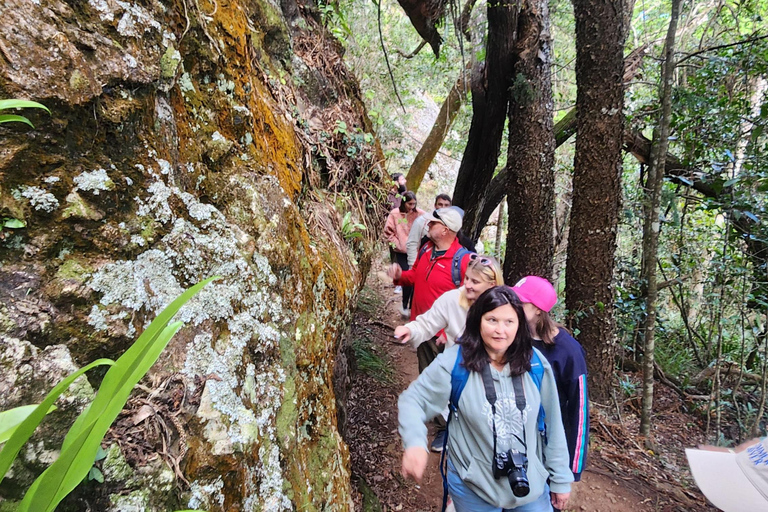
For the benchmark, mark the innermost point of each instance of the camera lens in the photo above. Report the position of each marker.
(519, 488)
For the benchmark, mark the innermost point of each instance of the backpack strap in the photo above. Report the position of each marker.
(422, 250)
(537, 374)
(456, 266)
(459, 377)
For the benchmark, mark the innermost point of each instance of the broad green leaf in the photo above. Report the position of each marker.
(83, 440)
(25, 430)
(12, 418)
(14, 223)
(11, 118)
(12, 103)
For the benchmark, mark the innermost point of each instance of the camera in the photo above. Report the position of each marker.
(512, 464)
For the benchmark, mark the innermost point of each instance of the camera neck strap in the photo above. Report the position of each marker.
(490, 395)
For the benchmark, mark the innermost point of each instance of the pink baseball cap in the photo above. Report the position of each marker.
(536, 290)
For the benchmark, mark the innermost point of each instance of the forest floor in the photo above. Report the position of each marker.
(620, 475)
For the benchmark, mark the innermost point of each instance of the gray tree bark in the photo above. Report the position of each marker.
(652, 226)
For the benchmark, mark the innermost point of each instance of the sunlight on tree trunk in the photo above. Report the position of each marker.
(652, 226)
(437, 134)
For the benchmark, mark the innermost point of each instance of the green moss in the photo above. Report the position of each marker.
(287, 415)
(78, 81)
(80, 209)
(169, 62)
(114, 467)
(74, 269)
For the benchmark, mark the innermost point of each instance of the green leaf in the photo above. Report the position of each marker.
(14, 223)
(96, 474)
(10, 118)
(12, 103)
(25, 430)
(101, 454)
(84, 437)
(730, 182)
(12, 418)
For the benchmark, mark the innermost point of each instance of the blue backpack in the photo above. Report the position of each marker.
(459, 377)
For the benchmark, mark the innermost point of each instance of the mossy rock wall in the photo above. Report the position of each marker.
(188, 139)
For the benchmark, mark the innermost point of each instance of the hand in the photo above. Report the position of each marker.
(559, 499)
(403, 334)
(415, 462)
(441, 339)
(394, 271)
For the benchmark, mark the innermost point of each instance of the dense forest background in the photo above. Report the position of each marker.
(710, 324)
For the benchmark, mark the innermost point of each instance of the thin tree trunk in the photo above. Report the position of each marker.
(531, 154)
(652, 226)
(500, 230)
(490, 90)
(600, 33)
(434, 140)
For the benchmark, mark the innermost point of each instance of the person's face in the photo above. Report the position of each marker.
(410, 205)
(436, 230)
(442, 203)
(531, 312)
(475, 284)
(498, 329)
(401, 181)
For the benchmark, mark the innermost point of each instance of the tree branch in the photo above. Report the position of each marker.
(721, 46)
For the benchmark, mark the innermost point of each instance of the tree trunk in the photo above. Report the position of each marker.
(600, 34)
(531, 155)
(499, 232)
(490, 88)
(437, 134)
(564, 129)
(652, 226)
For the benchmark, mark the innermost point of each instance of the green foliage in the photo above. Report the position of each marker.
(12, 418)
(13, 104)
(83, 440)
(371, 361)
(351, 229)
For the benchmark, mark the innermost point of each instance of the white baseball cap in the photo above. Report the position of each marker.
(733, 482)
(449, 217)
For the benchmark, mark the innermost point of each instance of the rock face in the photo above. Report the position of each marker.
(187, 139)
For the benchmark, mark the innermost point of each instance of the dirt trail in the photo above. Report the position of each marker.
(375, 448)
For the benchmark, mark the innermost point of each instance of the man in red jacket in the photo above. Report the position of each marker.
(431, 276)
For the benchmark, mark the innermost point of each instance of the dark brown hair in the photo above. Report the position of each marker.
(518, 355)
(407, 196)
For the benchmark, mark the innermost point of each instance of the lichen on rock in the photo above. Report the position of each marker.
(174, 141)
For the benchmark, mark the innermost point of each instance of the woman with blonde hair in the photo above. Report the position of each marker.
(449, 314)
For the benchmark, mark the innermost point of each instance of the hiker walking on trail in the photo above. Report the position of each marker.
(419, 229)
(449, 314)
(497, 457)
(436, 269)
(396, 231)
(566, 356)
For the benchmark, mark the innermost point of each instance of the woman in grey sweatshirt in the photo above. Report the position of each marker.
(496, 337)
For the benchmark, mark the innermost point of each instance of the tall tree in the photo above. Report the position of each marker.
(531, 154)
(600, 34)
(652, 225)
(490, 97)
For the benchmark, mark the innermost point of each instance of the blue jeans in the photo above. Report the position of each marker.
(465, 500)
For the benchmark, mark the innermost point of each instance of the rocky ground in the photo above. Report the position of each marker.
(620, 476)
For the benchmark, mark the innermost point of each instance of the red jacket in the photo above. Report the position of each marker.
(431, 278)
